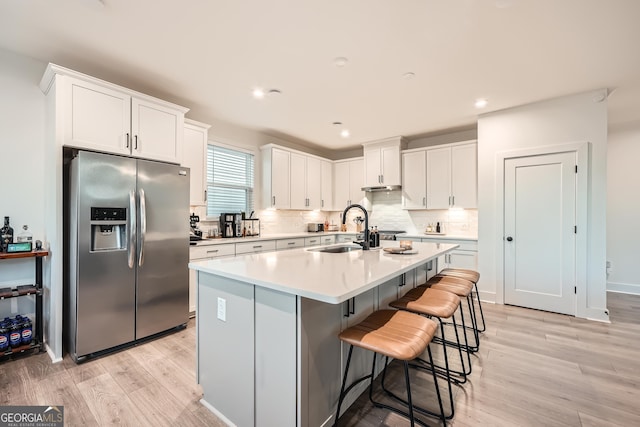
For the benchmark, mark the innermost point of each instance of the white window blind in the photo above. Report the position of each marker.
(229, 181)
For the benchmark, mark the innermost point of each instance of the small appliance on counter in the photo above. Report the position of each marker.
(315, 227)
(231, 224)
(251, 227)
(194, 233)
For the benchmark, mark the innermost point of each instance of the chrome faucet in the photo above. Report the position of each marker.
(365, 244)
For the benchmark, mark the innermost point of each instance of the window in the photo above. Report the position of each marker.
(229, 180)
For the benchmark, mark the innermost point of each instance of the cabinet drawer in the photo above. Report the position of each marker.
(289, 244)
(255, 247)
(345, 238)
(319, 240)
(464, 245)
(211, 251)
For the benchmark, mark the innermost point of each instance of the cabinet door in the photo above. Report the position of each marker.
(314, 183)
(157, 131)
(464, 188)
(341, 187)
(414, 180)
(388, 292)
(438, 178)
(97, 118)
(390, 163)
(297, 182)
(326, 187)
(372, 172)
(280, 179)
(195, 158)
(463, 259)
(356, 175)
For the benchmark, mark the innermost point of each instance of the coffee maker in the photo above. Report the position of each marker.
(231, 224)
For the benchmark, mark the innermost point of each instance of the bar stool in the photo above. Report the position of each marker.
(441, 305)
(463, 289)
(397, 334)
(472, 276)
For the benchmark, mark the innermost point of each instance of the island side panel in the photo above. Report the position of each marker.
(226, 347)
(320, 361)
(275, 358)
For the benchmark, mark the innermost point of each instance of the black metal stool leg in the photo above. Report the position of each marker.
(484, 325)
(344, 382)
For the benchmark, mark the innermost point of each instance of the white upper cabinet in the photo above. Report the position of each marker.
(293, 179)
(452, 176)
(414, 180)
(104, 117)
(306, 189)
(276, 181)
(195, 158)
(347, 183)
(326, 187)
(464, 176)
(382, 162)
(157, 131)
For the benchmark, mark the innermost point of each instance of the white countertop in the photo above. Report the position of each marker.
(322, 276)
(278, 236)
(438, 236)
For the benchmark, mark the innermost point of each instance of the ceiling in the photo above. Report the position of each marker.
(209, 55)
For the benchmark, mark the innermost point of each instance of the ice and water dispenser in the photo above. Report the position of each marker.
(108, 229)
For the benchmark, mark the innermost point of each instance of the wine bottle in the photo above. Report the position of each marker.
(6, 234)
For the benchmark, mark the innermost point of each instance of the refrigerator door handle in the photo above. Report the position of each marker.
(132, 229)
(143, 226)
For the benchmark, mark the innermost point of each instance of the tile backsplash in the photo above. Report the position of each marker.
(385, 212)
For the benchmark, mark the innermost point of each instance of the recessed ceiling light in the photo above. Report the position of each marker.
(345, 133)
(340, 61)
(258, 93)
(409, 75)
(481, 103)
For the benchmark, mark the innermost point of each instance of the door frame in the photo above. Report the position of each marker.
(582, 150)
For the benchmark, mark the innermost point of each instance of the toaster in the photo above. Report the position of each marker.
(315, 227)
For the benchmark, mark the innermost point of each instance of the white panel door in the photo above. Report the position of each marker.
(341, 187)
(280, 196)
(414, 180)
(356, 175)
(390, 164)
(195, 158)
(539, 234)
(464, 193)
(372, 164)
(438, 178)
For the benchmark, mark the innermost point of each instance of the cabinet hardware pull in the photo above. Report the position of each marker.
(453, 200)
(127, 139)
(136, 142)
(322, 203)
(348, 308)
(274, 201)
(381, 179)
(312, 241)
(257, 247)
(205, 195)
(353, 305)
(291, 243)
(424, 201)
(212, 252)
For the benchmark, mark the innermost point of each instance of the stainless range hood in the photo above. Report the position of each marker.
(382, 188)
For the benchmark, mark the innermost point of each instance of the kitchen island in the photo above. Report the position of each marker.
(268, 351)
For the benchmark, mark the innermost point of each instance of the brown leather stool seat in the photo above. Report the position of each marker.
(464, 289)
(397, 334)
(472, 276)
(429, 301)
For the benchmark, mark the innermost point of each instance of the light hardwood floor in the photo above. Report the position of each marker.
(533, 369)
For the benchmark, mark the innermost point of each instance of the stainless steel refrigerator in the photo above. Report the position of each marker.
(128, 251)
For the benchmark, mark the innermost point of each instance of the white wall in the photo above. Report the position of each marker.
(570, 119)
(22, 108)
(623, 207)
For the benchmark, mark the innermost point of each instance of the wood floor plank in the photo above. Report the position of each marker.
(109, 404)
(126, 371)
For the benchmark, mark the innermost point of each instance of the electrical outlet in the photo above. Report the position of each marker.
(222, 309)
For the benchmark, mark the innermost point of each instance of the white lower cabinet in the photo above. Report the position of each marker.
(464, 256)
(345, 238)
(201, 253)
(320, 240)
(255, 247)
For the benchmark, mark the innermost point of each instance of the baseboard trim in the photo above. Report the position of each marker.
(489, 297)
(210, 407)
(623, 288)
(52, 355)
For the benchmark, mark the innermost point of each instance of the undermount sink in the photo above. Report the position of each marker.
(337, 249)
